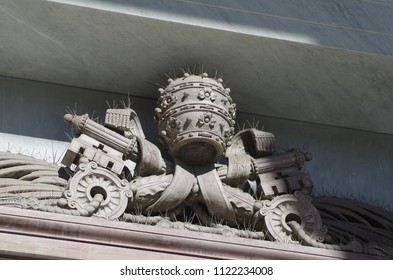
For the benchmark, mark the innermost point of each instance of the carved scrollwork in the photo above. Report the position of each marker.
(297, 207)
(91, 180)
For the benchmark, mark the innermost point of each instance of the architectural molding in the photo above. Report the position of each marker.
(31, 234)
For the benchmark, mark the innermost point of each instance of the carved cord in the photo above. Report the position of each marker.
(140, 219)
(87, 211)
(215, 229)
(354, 246)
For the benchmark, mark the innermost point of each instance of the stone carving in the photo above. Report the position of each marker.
(252, 156)
(195, 116)
(91, 180)
(348, 220)
(260, 193)
(25, 177)
(282, 210)
(10, 200)
(109, 149)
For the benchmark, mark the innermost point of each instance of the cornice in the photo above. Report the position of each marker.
(30, 234)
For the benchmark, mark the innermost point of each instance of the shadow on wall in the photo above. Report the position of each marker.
(312, 22)
(346, 163)
(38, 108)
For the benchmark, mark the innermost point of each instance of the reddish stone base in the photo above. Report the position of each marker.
(26, 234)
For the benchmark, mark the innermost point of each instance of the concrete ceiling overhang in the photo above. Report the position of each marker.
(322, 63)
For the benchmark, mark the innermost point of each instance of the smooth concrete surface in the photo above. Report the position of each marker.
(346, 162)
(355, 25)
(326, 62)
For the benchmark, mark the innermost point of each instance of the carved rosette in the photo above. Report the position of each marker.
(91, 180)
(292, 207)
(195, 116)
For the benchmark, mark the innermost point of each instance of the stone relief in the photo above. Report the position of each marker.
(258, 193)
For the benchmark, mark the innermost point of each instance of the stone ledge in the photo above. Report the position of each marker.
(37, 235)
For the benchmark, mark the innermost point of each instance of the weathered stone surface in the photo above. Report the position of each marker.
(54, 236)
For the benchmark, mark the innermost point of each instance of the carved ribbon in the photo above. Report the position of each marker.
(210, 186)
(213, 192)
(178, 189)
